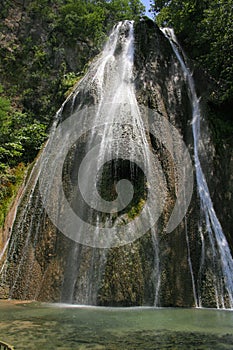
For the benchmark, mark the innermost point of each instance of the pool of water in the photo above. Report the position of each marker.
(32, 325)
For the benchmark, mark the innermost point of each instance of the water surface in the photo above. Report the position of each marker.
(32, 325)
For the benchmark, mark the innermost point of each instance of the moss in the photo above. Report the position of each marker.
(123, 283)
(68, 81)
(136, 209)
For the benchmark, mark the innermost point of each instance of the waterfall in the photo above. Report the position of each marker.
(210, 230)
(117, 132)
(103, 113)
(104, 218)
(122, 136)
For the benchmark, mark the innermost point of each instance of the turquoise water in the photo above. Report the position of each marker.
(50, 326)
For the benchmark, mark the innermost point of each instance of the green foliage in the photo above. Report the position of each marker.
(10, 181)
(206, 32)
(68, 81)
(137, 8)
(92, 19)
(4, 106)
(20, 135)
(81, 20)
(222, 127)
(135, 210)
(120, 10)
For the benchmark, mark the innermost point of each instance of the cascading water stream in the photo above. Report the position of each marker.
(222, 262)
(117, 132)
(121, 122)
(109, 174)
(118, 114)
(117, 111)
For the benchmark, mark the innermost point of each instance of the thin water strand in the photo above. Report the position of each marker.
(213, 225)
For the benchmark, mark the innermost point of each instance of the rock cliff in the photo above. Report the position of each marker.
(42, 262)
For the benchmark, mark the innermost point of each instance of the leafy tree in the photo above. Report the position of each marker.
(217, 30)
(94, 18)
(124, 9)
(4, 106)
(137, 8)
(206, 32)
(20, 135)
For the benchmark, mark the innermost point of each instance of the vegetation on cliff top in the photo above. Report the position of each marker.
(205, 30)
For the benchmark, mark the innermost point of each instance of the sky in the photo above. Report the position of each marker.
(147, 4)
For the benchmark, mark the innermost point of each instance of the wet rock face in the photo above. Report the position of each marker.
(159, 80)
(223, 194)
(154, 270)
(160, 86)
